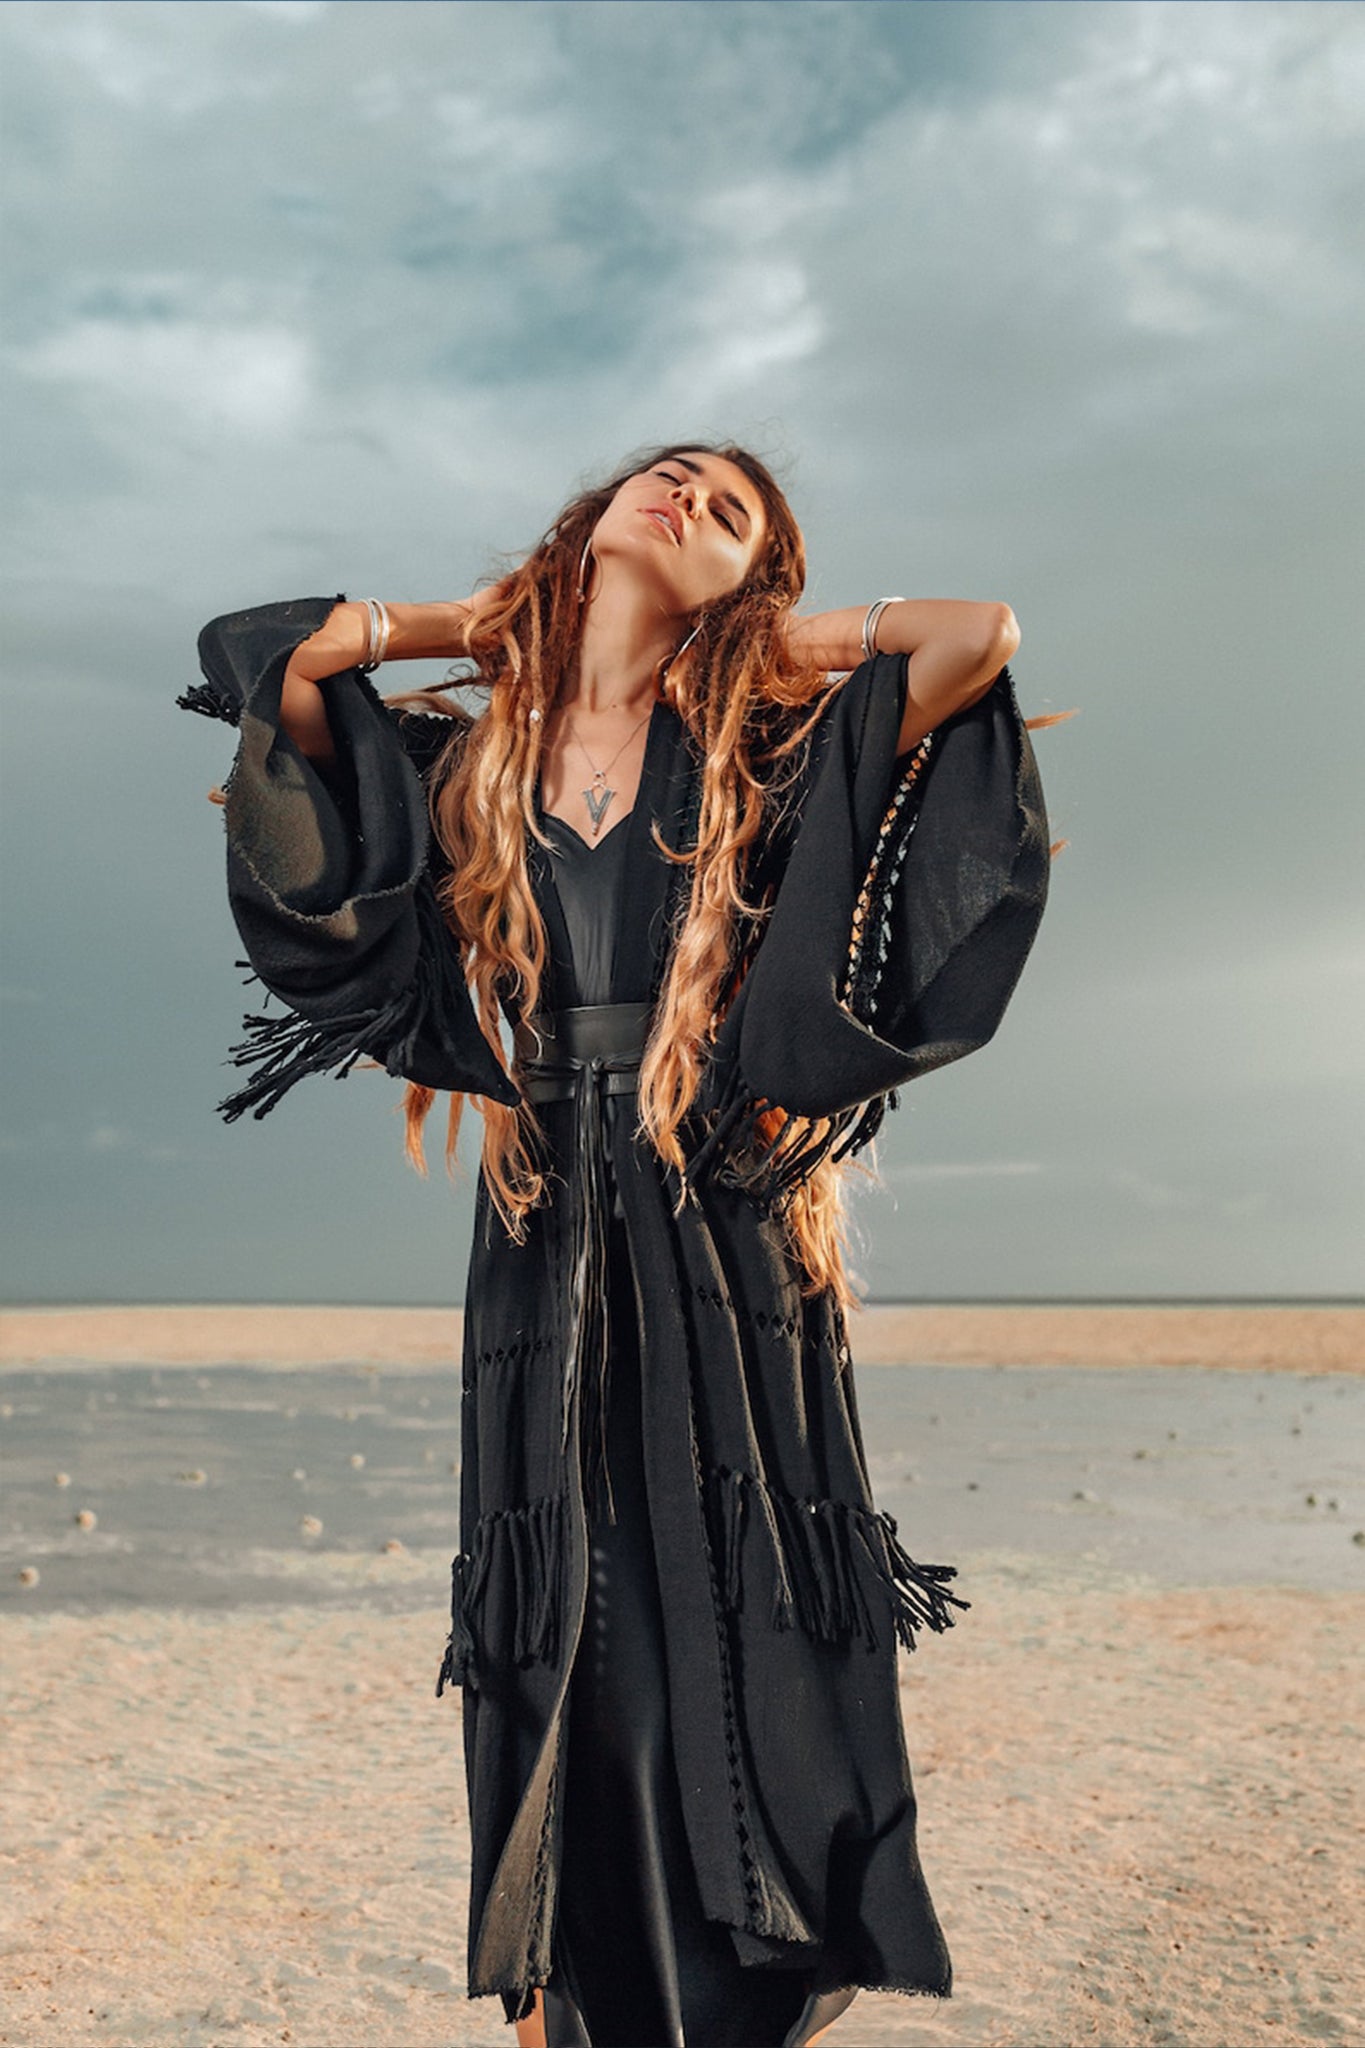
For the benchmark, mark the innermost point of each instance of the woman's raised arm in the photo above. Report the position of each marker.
(417, 632)
(958, 649)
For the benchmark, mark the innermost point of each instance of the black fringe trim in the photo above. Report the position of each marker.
(211, 702)
(525, 1546)
(286, 1048)
(457, 1661)
(821, 1552)
(769, 1169)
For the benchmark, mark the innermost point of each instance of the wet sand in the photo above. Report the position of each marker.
(235, 1807)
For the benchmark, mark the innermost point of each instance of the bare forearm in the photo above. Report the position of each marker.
(957, 649)
(417, 632)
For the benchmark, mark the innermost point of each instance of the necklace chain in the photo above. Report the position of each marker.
(597, 796)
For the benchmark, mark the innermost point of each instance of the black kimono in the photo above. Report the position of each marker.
(904, 896)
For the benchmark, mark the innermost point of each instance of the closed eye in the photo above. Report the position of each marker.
(728, 524)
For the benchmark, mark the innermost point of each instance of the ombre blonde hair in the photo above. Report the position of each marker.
(749, 705)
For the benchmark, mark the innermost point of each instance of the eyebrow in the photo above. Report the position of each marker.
(726, 497)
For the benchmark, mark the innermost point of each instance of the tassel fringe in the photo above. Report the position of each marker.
(210, 702)
(826, 1558)
(524, 1546)
(457, 1662)
(823, 1553)
(737, 1153)
(286, 1048)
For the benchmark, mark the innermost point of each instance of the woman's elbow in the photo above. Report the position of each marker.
(1002, 637)
(996, 646)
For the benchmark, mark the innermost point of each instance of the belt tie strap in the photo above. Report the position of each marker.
(581, 1055)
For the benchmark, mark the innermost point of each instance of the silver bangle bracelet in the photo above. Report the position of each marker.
(380, 627)
(870, 623)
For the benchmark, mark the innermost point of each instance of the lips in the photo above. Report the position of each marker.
(670, 515)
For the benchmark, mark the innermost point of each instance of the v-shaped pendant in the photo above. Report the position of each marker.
(597, 798)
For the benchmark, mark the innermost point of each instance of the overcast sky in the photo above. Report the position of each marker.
(1060, 304)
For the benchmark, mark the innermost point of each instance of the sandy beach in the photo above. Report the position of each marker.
(235, 1807)
(1295, 1338)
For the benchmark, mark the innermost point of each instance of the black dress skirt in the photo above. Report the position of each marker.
(636, 1964)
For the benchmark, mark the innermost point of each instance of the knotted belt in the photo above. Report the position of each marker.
(582, 1055)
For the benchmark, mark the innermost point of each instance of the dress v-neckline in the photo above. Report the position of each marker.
(595, 845)
(589, 845)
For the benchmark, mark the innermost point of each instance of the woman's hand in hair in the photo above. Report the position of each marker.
(957, 648)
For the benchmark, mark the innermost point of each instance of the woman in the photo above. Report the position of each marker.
(727, 903)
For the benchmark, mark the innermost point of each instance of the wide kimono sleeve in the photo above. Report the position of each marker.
(906, 909)
(329, 877)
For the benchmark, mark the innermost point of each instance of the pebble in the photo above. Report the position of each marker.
(298, 1473)
(85, 1518)
(357, 1460)
(61, 1479)
(309, 1525)
(193, 1478)
(394, 1545)
(27, 1575)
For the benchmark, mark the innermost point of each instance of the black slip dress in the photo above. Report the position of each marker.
(636, 1964)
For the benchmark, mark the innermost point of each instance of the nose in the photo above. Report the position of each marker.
(686, 495)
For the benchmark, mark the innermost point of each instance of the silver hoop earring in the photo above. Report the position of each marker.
(682, 649)
(584, 572)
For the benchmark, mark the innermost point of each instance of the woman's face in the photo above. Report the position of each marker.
(693, 526)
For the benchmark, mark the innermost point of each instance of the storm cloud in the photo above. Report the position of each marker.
(1060, 304)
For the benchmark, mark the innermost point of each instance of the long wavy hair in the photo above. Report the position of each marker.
(749, 705)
